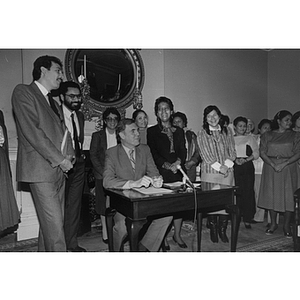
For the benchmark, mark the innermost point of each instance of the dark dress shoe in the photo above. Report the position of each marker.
(77, 249)
(183, 245)
(247, 225)
(105, 241)
(167, 246)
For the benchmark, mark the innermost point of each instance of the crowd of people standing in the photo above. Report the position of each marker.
(127, 153)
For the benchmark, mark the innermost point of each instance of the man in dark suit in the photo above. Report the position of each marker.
(130, 165)
(45, 149)
(71, 103)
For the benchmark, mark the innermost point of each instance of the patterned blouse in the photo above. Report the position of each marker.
(216, 147)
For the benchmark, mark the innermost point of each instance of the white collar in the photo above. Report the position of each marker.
(41, 88)
(215, 129)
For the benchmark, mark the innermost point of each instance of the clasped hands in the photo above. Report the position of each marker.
(279, 167)
(224, 170)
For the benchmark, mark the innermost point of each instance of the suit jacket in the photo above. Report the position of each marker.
(118, 169)
(40, 134)
(97, 152)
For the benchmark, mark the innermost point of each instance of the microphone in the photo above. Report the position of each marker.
(185, 176)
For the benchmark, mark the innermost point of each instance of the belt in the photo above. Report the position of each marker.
(278, 157)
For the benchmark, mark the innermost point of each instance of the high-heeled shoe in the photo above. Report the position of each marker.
(183, 245)
(269, 231)
(288, 233)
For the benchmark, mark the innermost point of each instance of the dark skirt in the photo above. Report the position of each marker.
(244, 179)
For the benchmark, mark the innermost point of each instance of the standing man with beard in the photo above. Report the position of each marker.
(74, 120)
(40, 160)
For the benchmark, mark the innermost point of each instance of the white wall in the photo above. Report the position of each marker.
(234, 80)
(253, 83)
(283, 81)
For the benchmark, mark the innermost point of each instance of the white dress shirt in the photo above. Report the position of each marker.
(68, 122)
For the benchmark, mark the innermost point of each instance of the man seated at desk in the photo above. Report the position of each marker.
(130, 165)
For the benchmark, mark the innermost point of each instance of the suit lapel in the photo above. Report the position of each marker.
(125, 159)
(42, 100)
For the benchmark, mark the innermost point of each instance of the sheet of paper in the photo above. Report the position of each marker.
(174, 184)
(152, 190)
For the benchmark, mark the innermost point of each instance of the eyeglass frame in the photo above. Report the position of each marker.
(73, 96)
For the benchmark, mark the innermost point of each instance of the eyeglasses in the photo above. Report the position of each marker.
(73, 96)
(111, 119)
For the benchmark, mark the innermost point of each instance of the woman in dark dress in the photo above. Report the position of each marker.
(9, 213)
(167, 145)
(247, 151)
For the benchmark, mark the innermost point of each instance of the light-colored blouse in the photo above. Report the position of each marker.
(241, 142)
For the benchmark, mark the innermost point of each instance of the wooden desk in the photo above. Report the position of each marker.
(137, 207)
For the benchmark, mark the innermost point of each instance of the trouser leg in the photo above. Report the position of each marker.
(49, 199)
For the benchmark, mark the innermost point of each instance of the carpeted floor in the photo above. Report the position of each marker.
(92, 241)
(275, 244)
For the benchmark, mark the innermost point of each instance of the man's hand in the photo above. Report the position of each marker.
(144, 181)
(189, 164)
(66, 165)
(71, 158)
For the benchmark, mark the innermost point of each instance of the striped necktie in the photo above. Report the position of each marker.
(132, 160)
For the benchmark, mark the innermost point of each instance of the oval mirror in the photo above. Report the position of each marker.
(112, 76)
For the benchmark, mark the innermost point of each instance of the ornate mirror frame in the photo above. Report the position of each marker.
(77, 64)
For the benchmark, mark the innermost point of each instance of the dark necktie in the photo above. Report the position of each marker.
(132, 160)
(52, 104)
(75, 137)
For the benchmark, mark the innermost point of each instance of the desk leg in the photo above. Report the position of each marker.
(235, 224)
(296, 223)
(199, 231)
(134, 229)
(110, 213)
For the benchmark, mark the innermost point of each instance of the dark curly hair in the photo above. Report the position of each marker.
(136, 112)
(263, 122)
(208, 110)
(279, 116)
(108, 111)
(46, 62)
(180, 115)
(160, 100)
(240, 119)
